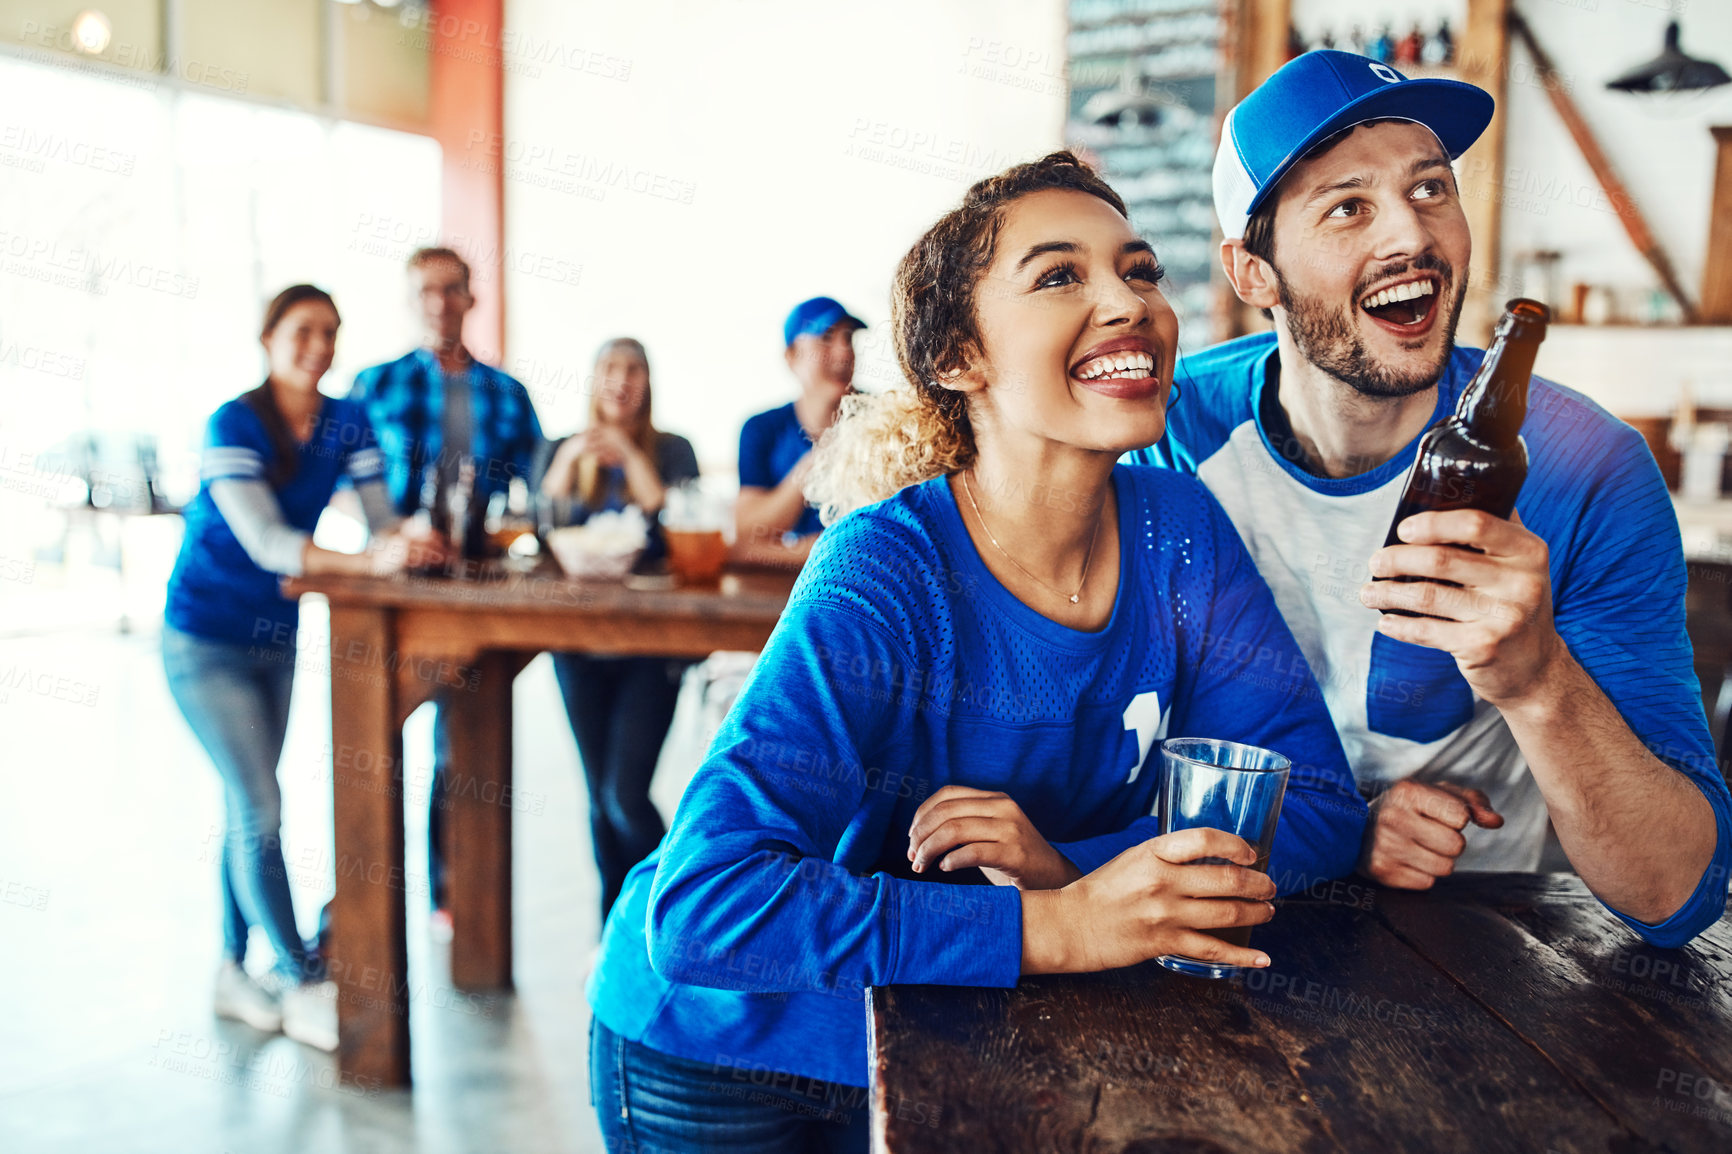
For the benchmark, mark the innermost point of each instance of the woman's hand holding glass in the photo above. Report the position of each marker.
(958, 827)
(1147, 902)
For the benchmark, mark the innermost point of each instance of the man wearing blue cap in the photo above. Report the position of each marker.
(772, 520)
(1551, 685)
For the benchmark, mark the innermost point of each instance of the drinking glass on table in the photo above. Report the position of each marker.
(693, 524)
(1228, 786)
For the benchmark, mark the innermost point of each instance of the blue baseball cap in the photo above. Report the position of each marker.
(814, 318)
(1312, 97)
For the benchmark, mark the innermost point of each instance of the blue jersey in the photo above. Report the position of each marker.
(771, 444)
(216, 590)
(900, 666)
(1593, 493)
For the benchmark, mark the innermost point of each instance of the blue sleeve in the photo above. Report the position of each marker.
(755, 439)
(361, 392)
(747, 867)
(1244, 678)
(360, 395)
(362, 460)
(1620, 609)
(236, 446)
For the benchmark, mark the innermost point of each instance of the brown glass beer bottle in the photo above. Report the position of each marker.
(1475, 458)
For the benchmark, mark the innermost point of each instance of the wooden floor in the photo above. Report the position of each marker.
(109, 932)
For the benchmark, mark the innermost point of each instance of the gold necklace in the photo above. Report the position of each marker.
(1087, 557)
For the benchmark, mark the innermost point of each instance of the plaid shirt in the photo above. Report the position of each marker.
(405, 402)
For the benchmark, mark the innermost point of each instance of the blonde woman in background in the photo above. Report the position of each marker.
(620, 708)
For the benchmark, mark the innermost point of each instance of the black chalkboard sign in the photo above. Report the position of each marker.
(1142, 109)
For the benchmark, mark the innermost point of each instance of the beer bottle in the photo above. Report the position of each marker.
(1475, 458)
(475, 541)
(431, 515)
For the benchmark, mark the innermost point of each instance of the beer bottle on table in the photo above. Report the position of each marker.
(476, 544)
(430, 508)
(431, 514)
(1475, 458)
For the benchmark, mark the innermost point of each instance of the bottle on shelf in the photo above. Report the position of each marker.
(1382, 49)
(1409, 47)
(1440, 46)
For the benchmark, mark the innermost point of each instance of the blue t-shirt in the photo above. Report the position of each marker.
(1593, 494)
(900, 666)
(216, 590)
(771, 444)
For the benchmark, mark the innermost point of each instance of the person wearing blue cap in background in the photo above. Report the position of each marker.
(772, 521)
(1551, 687)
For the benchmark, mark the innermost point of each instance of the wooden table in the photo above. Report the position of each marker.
(1496, 1012)
(396, 643)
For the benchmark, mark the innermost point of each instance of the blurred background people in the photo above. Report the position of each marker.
(620, 708)
(773, 523)
(272, 458)
(437, 408)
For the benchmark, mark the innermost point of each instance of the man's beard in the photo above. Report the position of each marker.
(1329, 339)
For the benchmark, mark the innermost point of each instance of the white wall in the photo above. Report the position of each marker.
(784, 149)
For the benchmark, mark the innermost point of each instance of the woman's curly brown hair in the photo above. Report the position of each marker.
(903, 436)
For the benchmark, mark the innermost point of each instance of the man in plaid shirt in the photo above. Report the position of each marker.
(438, 406)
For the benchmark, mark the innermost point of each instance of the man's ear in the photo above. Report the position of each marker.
(1252, 278)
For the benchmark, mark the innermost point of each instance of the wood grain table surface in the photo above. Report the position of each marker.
(1495, 1012)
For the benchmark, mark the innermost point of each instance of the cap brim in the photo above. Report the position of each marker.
(1456, 113)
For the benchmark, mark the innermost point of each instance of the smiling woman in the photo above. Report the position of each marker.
(965, 684)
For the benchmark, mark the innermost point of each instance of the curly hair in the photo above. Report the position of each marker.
(883, 442)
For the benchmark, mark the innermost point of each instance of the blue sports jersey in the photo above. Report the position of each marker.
(771, 444)
(1593, 493)
(216, 590)
(900, 666)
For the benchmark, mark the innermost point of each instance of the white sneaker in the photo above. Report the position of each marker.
(241, 997)
(310, 1014)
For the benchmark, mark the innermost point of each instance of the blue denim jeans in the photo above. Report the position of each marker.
(649, 1102)
(236, 699)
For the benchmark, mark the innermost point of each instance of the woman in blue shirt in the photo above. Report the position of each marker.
(620, 708)
(272, 458)
(972, 674)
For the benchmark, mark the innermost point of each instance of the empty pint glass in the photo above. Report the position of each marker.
(1222, 785)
